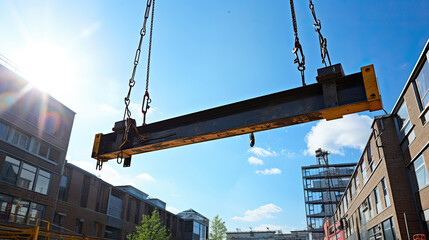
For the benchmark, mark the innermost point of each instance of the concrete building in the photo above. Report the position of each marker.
(388, 195)
(267, 235)
(324, 185)
(34, 136)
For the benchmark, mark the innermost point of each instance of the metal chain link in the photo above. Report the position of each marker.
(132, 82)
(297, 48)
(146, 98)
(322, 41)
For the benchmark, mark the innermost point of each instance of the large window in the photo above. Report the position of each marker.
(63, 191)
(385, 193)
(31, 144)
(377, 200)
(423, 83)
(420, 173)
(10, 169)
(363, 171)
(389, 230)
(115, 207)
(25, 175)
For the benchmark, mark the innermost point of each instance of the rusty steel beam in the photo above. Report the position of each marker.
(332, 97)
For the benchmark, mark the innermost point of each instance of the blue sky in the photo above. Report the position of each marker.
(206, 54)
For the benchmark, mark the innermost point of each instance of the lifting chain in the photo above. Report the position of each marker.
(297, 48)
(146, 98)
(322, 41)
(131, 83)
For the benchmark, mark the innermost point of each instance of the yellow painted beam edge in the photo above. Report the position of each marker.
(371, 88)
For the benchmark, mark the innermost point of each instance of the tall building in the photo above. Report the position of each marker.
(388, 195)
(196, 226)
(34, 136)
(324, 185)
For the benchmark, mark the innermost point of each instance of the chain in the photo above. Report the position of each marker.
(132, 82)
(322, 41)
(146, 98)
(297, 48)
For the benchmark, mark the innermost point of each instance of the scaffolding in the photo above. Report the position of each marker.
(15, 226)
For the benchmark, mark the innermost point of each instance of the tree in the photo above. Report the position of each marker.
(217, 229)
(151, 228)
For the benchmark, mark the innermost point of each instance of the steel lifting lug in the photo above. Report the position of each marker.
(252, 139)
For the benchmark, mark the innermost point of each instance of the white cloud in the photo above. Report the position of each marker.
(145, 177)
(91, 29)
(255, 161)
(173, 209)
(260, 152)
(263, 212)
(109, 109)
(349, 132)
(288, 153)
(269, 171)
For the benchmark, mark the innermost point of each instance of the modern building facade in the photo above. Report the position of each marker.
(388, 195)
(34, 136)
(324, 185)
(196, 226)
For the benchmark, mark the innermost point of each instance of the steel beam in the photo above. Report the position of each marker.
(334, 96)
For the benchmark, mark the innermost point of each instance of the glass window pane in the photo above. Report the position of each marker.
(19, 209)
(35, 211)
(423, 83)
(420, 173)
(2, 131)
(54, 155)
(10, 169)
(43, 150)
(26, 178)
(43, 181)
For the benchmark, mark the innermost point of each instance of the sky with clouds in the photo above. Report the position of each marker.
(206, 54)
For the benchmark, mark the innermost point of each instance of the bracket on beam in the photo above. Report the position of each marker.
(332, 97)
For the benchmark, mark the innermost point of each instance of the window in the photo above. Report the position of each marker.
(63, 191)
(19, 207)
(403, 126)
(5, 203)
(36, 211)
(85, 191)
(377, 201)
(10, 169)
(370, 157)
(363, 171)
(426, 217)
(26, 177)
(369, 199)
(423, 83)
(196, 228)
(54, 154)
(420, 173)
(79, 225)
(43, 180)
(389, 230)
(385, 193)
(115, 207)
(3, 129)
(356, 181)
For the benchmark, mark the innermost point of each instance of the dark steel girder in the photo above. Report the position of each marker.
(332, 97)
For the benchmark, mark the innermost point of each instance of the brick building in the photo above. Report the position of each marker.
(88, 205)
(388, 195)
(37, 181)
(34, 135)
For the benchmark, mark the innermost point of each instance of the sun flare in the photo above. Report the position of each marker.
(47, 66)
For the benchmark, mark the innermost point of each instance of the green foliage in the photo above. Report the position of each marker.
(151, 228)
(217, 229)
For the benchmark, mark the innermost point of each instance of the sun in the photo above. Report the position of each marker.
(47, 66)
